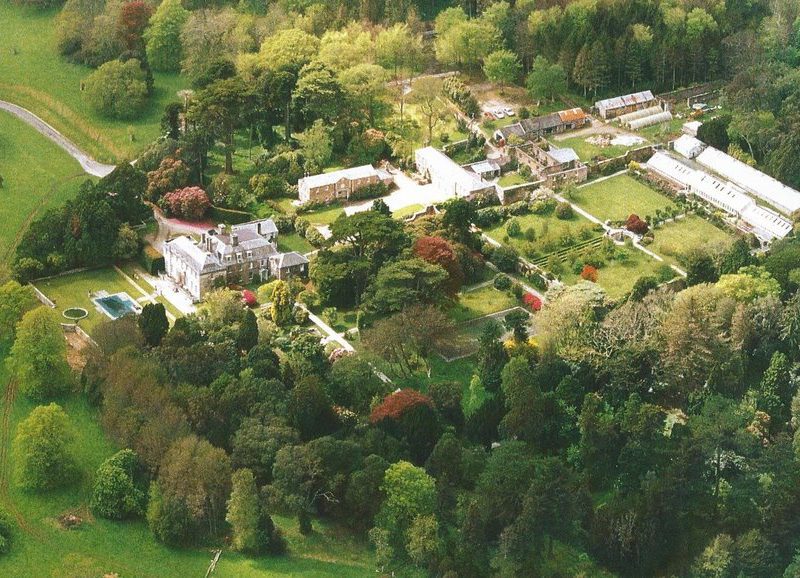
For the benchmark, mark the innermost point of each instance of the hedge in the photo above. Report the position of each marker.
(230, 216)
(152, 260)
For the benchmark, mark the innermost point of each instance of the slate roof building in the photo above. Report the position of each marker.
(340, 184)
(535, 128)
(243, 253)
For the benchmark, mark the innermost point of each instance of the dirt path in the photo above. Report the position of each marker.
(89, 165)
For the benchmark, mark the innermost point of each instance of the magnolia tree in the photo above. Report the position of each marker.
(188, 203)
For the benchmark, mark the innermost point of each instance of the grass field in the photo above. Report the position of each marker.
(35, 76)
(407, 211)
(551, 233)
(37, 175)
(324, 215)
(618, 277)
(685, 235)
(480, 302)
(511, 179)
(616, 198)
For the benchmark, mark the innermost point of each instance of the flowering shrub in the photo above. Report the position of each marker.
(188, 203)
(636, 225)
(532, 301)
(395, 405)
(249, 298)
(589, 273)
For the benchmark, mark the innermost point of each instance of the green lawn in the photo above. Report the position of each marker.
(407, 211)
(133, 270)
(39, 79)
(294, 242)
(618, 277)
(41, 548)
(480, 302)
(73, 291)
(588, 151)
(37, 175)
(686, 234)
(511, 179)
(551, 233)
(446, 125)
(616, 198)
(323, 216)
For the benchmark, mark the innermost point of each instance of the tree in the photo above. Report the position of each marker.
(310, 411)
(289, 49)
(39, 355)
(117, 89)
(441, 252)
(404, 282)
(247, 337)
(774, 392)
(318, 94)
(187, 501)
(427, 94)
(217, 109)
(700, 268)
(153, 323)
(366, 87)
(7, 525)
(545, 80)
(398, 49)
(15, 301)
(163, 37)
(409, 415)
(517, 321)
(133, 19)
(126, 245)
(115, 493)
(170, 175)
(42, 449)
(190, 203)
(410, 493)
(282, 304)
(253, 530)
(316, 146)
(466, 43)
(502, 67)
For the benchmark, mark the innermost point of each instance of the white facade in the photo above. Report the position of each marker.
(783, 198)
(448, 176)
(688, 146)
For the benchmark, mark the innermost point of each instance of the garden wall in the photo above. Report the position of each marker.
(610, 166)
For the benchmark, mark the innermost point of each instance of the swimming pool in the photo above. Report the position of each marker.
(117, 305)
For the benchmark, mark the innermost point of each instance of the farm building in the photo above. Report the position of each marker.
(550, 164)
(530, 129)
(448, 176)
(341, 184)
(650, 120)
(784, 199)
(765, 224)
(688, 146)
(619, 105)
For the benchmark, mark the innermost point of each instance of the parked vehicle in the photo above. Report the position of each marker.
(498, 113)
(509, 111)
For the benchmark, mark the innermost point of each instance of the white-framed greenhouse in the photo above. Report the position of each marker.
(783, 198)
(658, 118)
(765, 224)
(637, 114)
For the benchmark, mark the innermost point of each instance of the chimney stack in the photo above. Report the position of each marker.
(221, 228)
(234, 239)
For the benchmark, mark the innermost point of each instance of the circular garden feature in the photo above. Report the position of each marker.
(75, 313)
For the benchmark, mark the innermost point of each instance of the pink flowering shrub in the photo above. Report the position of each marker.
(249, 298)
(532, 301)
(188, 203)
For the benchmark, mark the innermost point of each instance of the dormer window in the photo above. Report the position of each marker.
(249, 254)
(239, 258)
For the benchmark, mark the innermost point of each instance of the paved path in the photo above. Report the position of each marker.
(89, 165)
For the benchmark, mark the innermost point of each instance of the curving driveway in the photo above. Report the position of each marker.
(88, 164)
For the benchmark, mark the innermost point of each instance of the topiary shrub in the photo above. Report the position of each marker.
(564, 211)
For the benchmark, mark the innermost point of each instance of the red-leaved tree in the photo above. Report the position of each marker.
(440, 252)
(133, 19)
(636, 225)
(589, 273)
(410, 416)
(532, 301)
(188, 203)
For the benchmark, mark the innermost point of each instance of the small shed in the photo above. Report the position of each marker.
(691, 127)
(488, 169)
(688, 146)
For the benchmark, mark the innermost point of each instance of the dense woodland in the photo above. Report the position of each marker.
(654, 435)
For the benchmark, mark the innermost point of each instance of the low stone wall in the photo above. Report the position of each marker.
(43, 298)
(619, 163)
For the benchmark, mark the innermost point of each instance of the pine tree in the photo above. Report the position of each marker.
(243, 513)
(282, 305)
(153, 323)
(247, 337)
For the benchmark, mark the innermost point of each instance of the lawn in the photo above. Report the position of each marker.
(34, 75)
(37, 175)
(324, 215)
(99, 547)
(551, 233)
(294, 242)
(73, 291)
(480, 302)
(680, 237)
(588, 151)
(511, 179)
(616, 198)
(446, 125)
(407, 211)
(618, 277)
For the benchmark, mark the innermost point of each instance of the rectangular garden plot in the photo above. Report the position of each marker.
(618, 197)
